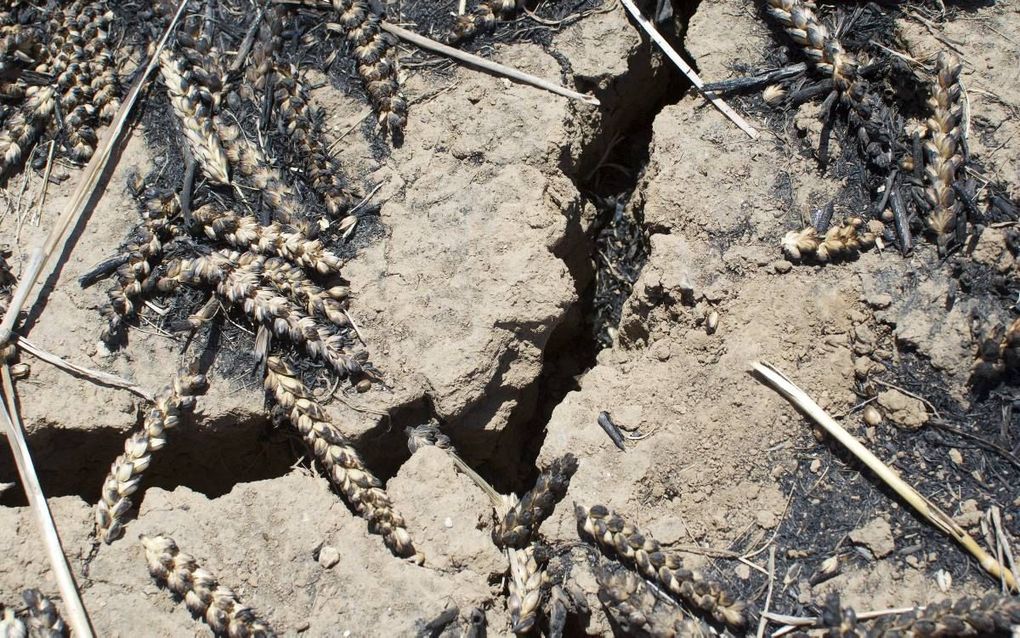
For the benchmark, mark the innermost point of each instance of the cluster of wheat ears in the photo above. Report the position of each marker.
(245, 235)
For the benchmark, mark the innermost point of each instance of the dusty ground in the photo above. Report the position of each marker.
(468, 287)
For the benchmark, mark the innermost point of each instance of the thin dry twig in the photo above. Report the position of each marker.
(487, 65)
(45, 182)
(926, 508)
(77, 616)
(96, 376)
(768, 596)
(686, 69)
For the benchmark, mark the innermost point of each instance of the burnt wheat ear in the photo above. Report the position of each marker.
(240, 281)
(70, 44)
(39, 618)
(160, 216)
(520, 524)
(374, 54)
(341, 461)
(839, 242)
(944, 150)
(639, 611)
(173, 403)
(528, 580)
(994, 615)
(303, 122)
(642, 553)
(823, 49)
(482, 19)
(203, 595)
(194, 112)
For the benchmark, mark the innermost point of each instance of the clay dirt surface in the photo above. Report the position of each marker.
(471, 285)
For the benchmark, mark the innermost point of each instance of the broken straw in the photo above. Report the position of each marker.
(924, 507)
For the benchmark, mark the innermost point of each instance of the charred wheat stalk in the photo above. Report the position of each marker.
(193, 110)
(175, 402)
(303, 123)
(521, 523)
(639, 611)
(944, 149)
(993, 615)
(244, 233)
(202, 593)
(344, 466)
(374, 55)
(482, 19)
(838, 242)
(527, 580)
(644, 554)
(160, 210)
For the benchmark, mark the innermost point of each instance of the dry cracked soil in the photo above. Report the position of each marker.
(472, 287)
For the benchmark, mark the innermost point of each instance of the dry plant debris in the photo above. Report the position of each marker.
(204, 596)
(520, 524)
(38, 618)
(60, 75)
(642, 553)
(175, 402)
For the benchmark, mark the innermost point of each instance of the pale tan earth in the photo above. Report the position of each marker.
(481, 261)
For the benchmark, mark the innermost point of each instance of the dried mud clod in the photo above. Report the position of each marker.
(518, 527)
(38, 618)
(201, 592)
(363, 491)
(944, 152)
(640, 552)
(639, 612)
(374, 53)
(68, 46)
(837, 243)
(993, 615)
(173, 404)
